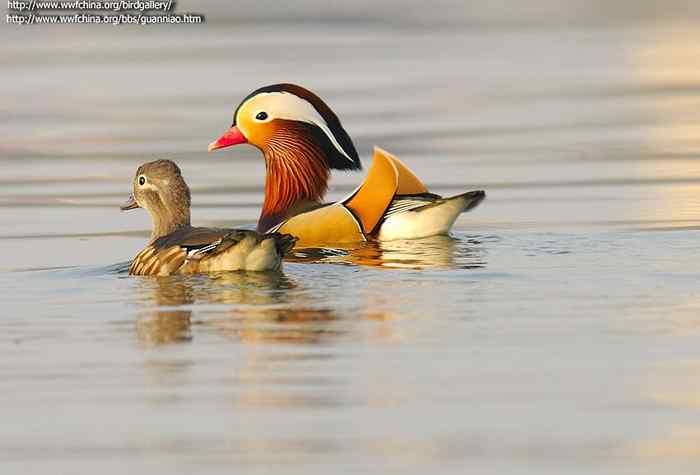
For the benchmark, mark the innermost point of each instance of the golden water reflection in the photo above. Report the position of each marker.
(681, 442)
(247, 307)
(166, 325)
(437, 252)
(667, 67)
(674, 387)
(273, 307)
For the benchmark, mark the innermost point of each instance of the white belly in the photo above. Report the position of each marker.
(432, 221)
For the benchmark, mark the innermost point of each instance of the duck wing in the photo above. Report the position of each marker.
(184, 249)
(405, 203)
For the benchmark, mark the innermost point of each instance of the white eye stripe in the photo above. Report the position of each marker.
(283, 105)
(148, 186)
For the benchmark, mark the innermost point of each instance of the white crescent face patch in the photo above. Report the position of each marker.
(285, 105)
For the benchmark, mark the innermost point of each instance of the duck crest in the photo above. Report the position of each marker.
(348, 159)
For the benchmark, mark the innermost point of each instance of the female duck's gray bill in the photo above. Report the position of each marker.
(129, 204)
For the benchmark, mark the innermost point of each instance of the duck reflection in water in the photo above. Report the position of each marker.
(168, 323)
(272, 307)
(247, 307)
(436, 252)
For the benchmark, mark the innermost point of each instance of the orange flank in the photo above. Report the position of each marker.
(327, 225)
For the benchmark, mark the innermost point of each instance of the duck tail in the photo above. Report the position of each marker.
(410, 219)
(471, 199)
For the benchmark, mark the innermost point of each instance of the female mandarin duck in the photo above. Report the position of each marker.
(302, 140)
(178, 248)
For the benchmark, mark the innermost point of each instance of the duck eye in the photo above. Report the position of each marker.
(261, 116)
(142, 180)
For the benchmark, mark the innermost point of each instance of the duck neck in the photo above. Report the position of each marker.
(167, 220)
(296, 181)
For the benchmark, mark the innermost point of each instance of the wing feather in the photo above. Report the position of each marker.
(403, 204)
(170, 254)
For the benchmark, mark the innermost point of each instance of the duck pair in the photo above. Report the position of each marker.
(302, 140)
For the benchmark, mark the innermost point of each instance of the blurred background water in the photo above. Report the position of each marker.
(556, 331)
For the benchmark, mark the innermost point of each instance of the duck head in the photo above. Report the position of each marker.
(159, 188)
(301, 139)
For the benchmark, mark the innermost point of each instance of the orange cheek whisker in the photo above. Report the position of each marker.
(296, 170)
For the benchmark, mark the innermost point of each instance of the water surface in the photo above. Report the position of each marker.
(555, 331)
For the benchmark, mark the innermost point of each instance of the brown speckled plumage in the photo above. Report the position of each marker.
(176, 247)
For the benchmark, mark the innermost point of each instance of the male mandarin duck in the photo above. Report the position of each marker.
(178, 248)
(302, 140)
